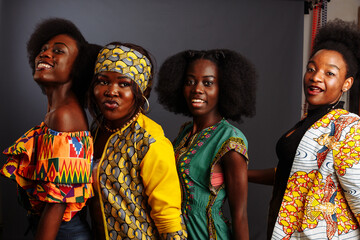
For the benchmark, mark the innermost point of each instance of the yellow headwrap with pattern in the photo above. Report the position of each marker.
(124, 60)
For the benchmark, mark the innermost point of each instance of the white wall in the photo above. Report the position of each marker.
(343, 9)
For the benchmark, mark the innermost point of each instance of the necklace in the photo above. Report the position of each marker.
(118, 129)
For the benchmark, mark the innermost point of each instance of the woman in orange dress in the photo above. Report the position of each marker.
(51, 163)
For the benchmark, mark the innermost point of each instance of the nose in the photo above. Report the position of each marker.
(198, 88)
(45, 53)
(317, 76)
(111, 90)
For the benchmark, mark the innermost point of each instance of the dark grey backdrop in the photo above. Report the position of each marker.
(268, 32)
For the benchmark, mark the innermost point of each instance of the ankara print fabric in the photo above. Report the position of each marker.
(202, 202)
(322, 198)
(127, 61)
(53, 167)
(137, 184)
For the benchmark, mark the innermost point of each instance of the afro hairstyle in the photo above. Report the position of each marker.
(237, 82)
(343, 37)
(82, 70)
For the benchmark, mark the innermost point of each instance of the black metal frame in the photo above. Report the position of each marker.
(311, 4)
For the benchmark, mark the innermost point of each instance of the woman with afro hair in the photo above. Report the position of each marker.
(317, 179)
(211, 154)
(51, 163)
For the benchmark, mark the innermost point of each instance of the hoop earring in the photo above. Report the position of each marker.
(147, 103)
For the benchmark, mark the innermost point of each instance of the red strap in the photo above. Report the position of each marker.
(315, 23)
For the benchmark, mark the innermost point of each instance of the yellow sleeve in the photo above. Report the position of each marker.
(162, 186)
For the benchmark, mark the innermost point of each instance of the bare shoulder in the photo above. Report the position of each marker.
(233, 160)
(68, 118)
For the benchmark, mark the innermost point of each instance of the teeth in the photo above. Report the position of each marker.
(44, 65)
(315, 88)
(197, 101)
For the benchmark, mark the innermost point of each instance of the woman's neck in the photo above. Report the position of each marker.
(120, 123)
(200, 123)
(59, 95)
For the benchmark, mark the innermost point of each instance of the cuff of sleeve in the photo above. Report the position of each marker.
(182, 234)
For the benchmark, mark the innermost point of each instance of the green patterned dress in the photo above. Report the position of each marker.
(196, 157)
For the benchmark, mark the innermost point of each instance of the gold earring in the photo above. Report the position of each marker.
(147, 103)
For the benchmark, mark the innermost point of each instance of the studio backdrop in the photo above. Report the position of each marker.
(268, 32)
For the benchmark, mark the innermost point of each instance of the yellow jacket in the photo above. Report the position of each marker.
(137, 180)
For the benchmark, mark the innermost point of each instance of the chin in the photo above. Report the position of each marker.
(196, 113)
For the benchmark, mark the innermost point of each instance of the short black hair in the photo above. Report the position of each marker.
(83, 66)
(237, 82)
(140, 101)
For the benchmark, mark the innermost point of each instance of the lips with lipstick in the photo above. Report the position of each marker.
(111, 104)
(313, 90)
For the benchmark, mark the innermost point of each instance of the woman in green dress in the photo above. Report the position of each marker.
(211, 154)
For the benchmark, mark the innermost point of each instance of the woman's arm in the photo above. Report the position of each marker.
(50, 221)
(67, 118)
(262, 176)
(97, 224)
(347, 169)
(236, 181)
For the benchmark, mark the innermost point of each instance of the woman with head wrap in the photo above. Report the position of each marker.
(137, 188)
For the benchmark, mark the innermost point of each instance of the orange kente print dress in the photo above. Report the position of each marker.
(51, 167)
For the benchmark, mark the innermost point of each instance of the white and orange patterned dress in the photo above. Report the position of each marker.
(322, 197)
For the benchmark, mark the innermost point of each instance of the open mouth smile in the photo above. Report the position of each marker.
(313, 90)
(43, 65)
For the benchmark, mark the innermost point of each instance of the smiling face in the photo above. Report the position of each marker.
(55, 61)
(325, 78)
(114, 97)
(201, 89)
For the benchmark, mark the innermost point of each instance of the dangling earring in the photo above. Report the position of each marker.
(147, 103)
(335, 105)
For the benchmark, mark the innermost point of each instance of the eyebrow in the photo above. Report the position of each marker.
(331, 65)
(119, 77)
(101, 75)
(206, 76)
(61, 43)
(124, 77)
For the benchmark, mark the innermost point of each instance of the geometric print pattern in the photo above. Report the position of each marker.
(52, 156)
(52, 167)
